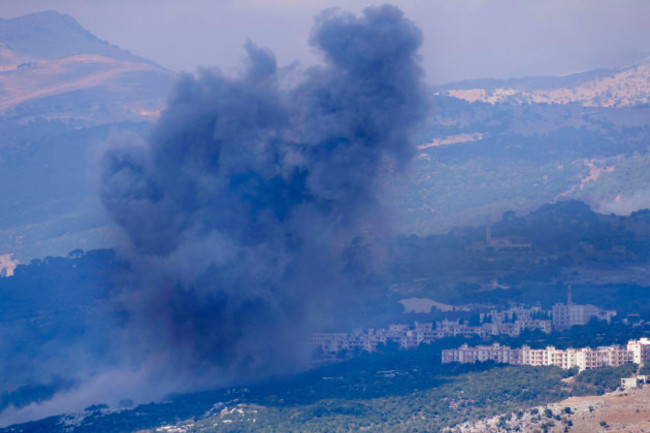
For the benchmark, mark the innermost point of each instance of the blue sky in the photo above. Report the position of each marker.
(464, 39)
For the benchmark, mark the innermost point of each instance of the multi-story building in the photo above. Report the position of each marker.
(584, 358)
(331, 342)
(545, 326)
(567, 315)
(640, 350)
(613, 356)
(532, 356)
(470, 355)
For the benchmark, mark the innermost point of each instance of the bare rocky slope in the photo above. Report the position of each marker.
(619, 411)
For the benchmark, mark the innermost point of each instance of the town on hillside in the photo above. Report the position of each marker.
(510, 322)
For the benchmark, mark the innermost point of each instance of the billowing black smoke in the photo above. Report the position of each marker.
(246, 205)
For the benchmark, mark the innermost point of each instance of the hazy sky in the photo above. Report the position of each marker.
(463, 38)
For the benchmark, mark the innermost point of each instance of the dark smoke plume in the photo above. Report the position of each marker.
(246, 205)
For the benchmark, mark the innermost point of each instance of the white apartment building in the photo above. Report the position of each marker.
(640, 350)
(585, 358)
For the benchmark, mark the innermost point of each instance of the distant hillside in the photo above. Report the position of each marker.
(476, 160)
(62, 92)
(52, 35)
(51, 66)
(489, 145)
(622, 87)
(532, 259)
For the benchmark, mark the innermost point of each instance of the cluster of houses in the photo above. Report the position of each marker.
(407, 336)
(509, 322)
(636, 351)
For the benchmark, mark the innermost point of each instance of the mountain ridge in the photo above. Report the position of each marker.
(616, 87)
(54, 35)
(476, 159)
(49, 54)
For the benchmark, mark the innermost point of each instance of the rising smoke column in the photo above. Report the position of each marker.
(243, 205)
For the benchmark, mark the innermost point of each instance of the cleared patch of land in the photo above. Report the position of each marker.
(619, 411)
